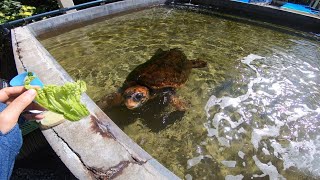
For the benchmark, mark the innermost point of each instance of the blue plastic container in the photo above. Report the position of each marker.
(19, 80)
(300, 7)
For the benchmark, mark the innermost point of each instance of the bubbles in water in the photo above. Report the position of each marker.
(278, 110)
(237, 177)
(267, 169)
(188, 177)
(241, 154)
(230, 164)
(258, 134)
(196, 160)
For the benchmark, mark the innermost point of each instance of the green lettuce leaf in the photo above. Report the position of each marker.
(64, 99)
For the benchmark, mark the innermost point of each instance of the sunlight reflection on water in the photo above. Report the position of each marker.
(281, 93)
(254, 109)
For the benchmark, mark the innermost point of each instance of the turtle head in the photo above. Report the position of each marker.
(135, 96)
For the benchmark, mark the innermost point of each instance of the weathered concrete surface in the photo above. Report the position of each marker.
(94, 147)
(80, 18)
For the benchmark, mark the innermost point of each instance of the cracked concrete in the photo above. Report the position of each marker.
(94, 147)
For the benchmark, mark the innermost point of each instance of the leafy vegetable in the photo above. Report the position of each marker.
(61, 99)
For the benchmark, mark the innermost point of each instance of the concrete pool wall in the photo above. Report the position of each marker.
(93, 148)
(262, 12)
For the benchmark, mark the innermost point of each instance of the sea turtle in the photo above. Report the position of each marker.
(161, 75)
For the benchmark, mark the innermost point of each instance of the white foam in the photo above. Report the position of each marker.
(267, 169)
(265, 151)
(299, 112)
(241, 154)
(258, 134)
(277, 88)
(211, 131)
(241, 130)
(230, 164)
(237, 177)
(222, 102)
(251, 57)
(194, 161)
(281, 93)
(224, 141)
(188, 177)
(304, 155)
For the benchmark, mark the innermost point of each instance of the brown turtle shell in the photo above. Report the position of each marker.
(165, 69)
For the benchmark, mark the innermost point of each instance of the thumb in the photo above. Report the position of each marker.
(17, 106)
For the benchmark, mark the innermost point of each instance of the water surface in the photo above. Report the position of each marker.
(253, 111)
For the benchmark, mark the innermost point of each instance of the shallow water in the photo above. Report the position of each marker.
(253, 111)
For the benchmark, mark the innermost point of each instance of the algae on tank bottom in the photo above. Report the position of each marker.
(246, 111)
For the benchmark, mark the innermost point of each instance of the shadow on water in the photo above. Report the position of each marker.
(155, 114)
(252, 19)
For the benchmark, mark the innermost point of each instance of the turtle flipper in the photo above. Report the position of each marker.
(178, 103)
(198, 63)
(112, 100)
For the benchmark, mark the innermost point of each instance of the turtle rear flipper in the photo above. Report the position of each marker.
(198, 63)
(178, 103)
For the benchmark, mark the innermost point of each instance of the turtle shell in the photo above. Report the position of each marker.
(165, 69)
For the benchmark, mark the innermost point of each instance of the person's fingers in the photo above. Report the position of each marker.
(33, 116)
(39, 116)
(9, 92)
(9, 116)
(35, 106)
(17, 106)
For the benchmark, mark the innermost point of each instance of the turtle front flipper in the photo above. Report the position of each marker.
(198, 63)
(178, 103)
(112, 100)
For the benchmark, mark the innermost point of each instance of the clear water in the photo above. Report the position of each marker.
(254, 111)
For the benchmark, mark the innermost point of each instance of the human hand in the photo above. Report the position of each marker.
(18, 100)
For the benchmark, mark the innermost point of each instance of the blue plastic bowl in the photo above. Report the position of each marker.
(19, 80)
